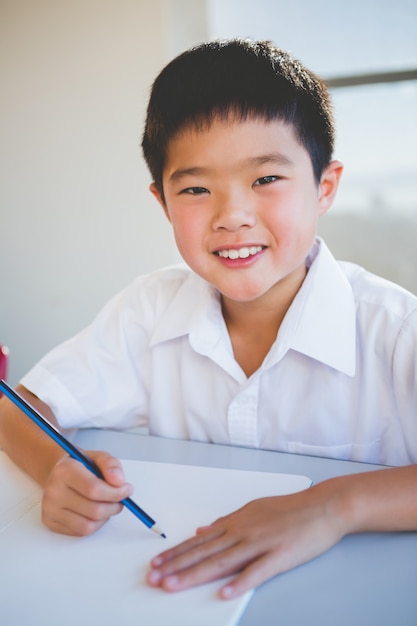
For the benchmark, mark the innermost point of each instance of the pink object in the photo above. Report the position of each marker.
(4, 354)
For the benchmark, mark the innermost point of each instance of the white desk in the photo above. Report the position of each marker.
(365, 580)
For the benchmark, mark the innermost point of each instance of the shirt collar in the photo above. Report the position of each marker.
(195, 303)
(203, 322)
(321, 322)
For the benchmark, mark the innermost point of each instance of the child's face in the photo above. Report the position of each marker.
(244, 205)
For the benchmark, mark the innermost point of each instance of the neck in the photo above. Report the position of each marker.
(253, 326)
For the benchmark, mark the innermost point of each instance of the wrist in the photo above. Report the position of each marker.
(375, 501)
(339, 498)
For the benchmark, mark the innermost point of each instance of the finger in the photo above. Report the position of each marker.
(203, 562)
(72, 486)
(69, 522)
(219, 565)
(74, 512)
(110, 467)
(94, 510)
(253, 575)
(271, 563)
(188, 546)
(88, 485)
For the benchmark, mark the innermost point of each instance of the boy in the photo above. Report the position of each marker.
(263, 340)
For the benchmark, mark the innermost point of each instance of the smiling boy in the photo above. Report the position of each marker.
(262, 339)
(244, 205)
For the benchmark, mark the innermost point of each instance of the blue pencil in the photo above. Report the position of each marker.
(73, 451)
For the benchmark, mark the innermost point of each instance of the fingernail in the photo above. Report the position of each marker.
(116, 471)
(154, 577)
(227, 592)
(171, 582)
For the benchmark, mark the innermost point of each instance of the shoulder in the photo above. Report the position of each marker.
(349, 284)
(386, 313)
(162, 295)
(383, 310)
(158, 287)
(375, 292)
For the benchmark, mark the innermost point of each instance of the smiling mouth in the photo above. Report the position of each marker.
(239, 253)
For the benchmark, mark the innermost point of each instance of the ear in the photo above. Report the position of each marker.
(154, 191)
(329, 183)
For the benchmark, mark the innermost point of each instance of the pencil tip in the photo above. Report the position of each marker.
(158, 531)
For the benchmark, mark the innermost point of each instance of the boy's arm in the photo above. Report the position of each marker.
(272, 535)
(24, 442)
(75, 501)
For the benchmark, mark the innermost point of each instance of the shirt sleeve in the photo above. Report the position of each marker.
(98, 378)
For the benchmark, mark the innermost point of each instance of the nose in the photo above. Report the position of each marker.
(233, 212)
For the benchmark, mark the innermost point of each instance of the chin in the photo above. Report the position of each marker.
(243, 295)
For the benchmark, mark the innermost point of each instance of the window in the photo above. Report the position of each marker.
(374, 219)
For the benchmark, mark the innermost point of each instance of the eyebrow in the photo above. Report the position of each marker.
(186, 171)
(275, 158)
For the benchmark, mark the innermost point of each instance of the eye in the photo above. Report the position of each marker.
(266, 180)
(195, 191)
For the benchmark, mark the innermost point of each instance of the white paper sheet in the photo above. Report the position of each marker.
(49, 579)
(18, 493)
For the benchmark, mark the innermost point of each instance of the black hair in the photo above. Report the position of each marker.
(240, 78)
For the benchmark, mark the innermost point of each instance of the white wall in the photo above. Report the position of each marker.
(77, 221)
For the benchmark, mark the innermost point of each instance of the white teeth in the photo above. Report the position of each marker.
(242, 253)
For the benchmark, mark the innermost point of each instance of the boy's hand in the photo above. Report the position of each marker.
(76, 502)
(264, 538)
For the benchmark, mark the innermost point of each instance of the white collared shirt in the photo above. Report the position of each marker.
(340, 381)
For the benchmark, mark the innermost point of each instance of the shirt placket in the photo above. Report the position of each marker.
(242, 416)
